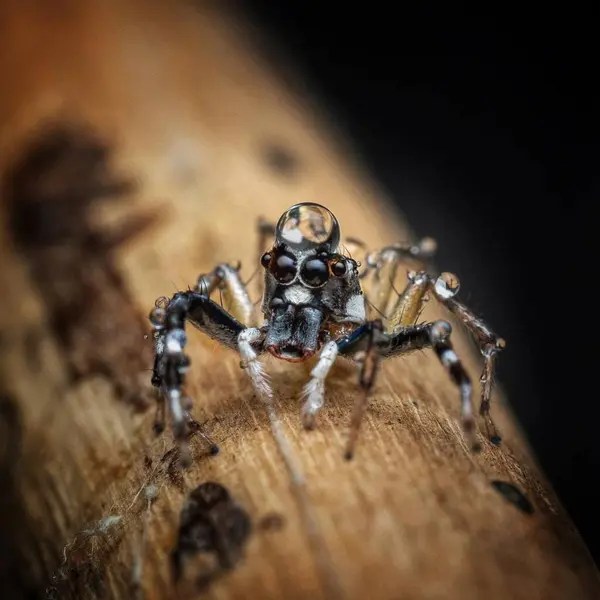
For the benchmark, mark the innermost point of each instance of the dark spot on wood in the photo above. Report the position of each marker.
(272, 522)
(213, 529)
(280, 160)
(51, 196)
(514, 495)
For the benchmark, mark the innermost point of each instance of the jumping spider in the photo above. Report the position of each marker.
(313, 302)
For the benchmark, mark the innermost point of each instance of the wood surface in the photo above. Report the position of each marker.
(202, 138)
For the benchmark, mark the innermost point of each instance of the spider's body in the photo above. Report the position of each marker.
(309, 287)
(313, 304)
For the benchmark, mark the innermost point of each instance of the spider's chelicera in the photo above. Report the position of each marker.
(313, 304)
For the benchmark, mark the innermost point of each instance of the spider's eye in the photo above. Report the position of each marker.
(265, 259)
(339, 267)
(284, 268)
(315, 272)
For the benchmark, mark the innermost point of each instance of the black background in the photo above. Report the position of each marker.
(483, 127)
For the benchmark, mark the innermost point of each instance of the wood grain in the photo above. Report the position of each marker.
(211, 139)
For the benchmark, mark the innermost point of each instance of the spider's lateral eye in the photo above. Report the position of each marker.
(315, 272)
(265, 259)
(339, 267)
(284, 268)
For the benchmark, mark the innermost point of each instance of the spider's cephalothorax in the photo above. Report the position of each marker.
(312, 303)
(308, 284)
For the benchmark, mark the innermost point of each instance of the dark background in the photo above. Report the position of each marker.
(483, 128)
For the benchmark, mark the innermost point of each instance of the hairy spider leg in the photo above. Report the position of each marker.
(410, 303)
(313, 392)
(250, 346)
(368, 344)
(171, 363)
(445, 289)
(160, 416)
(384, 265)
(226, 279)
(368, 335)
(406, 313)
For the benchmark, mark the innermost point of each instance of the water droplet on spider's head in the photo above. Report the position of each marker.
(308, 225)
(447, 285)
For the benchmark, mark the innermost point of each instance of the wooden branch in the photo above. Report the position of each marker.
(188, 138)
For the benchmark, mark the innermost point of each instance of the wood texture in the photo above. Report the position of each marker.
(211, 139)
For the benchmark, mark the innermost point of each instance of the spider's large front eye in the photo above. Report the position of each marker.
(284, 268)
(315, 272)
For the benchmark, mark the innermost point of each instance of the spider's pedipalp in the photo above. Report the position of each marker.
(248, 340)
(313, 393)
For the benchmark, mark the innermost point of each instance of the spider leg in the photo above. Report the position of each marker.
(410, 302)
(368, 336)
(159, 419)
(314, 390)
(385, 263)
(227, 278)
(436, 335)
(445, 289)
(171, 363)
(250, 345)
(368, 345)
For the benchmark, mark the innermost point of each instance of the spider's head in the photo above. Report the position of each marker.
(307, 281)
